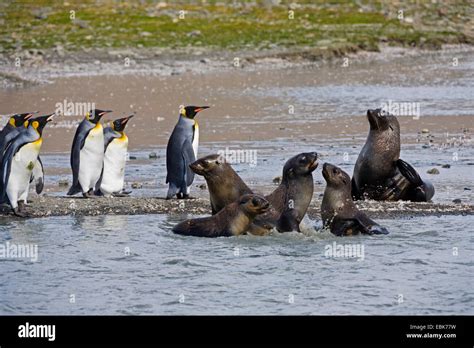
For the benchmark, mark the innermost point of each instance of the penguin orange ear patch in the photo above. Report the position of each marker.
(35, 124)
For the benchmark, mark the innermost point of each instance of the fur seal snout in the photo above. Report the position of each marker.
(235, 219)
(338, 211)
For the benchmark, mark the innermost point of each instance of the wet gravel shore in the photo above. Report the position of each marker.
(61, 206)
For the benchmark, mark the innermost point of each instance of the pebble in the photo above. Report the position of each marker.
(425, 130)
(277, 180)
(137, 185)
(133, 157)
(457, 201)
(63, 182)
(152, 155)
(446, 166)
(433, 171)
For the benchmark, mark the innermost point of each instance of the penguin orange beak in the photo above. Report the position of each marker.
(104, 112)
(30, 115)
(200, 108)
(126, 119)
(50, 117)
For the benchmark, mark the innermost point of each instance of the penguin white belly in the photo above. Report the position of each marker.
(20, 173)
(195, 148)
(196, 140)
(91, 159)
(114, 166)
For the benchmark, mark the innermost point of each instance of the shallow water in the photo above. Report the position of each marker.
(135, 265)
(411, 271)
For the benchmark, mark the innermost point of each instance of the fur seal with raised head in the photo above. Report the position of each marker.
(292, 197)
(224, 184)
(338, 210)
(379, 172)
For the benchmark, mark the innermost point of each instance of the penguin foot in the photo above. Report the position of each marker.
(19, 213)
(89, 194)
(186, 197)
(121, 194)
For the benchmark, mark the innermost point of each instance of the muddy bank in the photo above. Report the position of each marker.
(59, 206)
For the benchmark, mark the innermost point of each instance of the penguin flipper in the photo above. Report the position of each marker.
(38, 175)
(12, 148)
(77, 144)
(188, 157)
(97, 190)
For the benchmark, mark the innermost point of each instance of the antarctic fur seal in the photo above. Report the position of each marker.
(338, 211)
(292, 197)
(379, 172)
(224, 184)
(235, 219)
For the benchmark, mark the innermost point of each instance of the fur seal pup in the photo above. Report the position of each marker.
(224, 184)
(379, 172)
(233, 220)
(292, 197)
(338, 211)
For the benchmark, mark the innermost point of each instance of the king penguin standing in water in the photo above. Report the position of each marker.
(182, 151)
(18, 163)
(87, 154)
(115, 155)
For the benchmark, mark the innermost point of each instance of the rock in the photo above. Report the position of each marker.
(202, 186)
(136, 185)
(81, 23)
(446, 166)
(433, 171)
(64, 182)
(457, 201)
(277, 180)
(133, 157)
(152, 155)
(194, 33)
(145, 34)
(467, 189)
(425, 130)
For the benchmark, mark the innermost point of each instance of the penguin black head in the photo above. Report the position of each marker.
(119, 124)
(38, 123)
(191, 111)
(19, 119)
(95, 115)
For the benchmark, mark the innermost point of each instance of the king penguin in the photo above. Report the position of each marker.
(115, 155)
(12, 128)
(182, 151)
(87, 154)
(16, 124)
(18, 163)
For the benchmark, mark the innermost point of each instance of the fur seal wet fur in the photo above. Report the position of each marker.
(379, 172)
